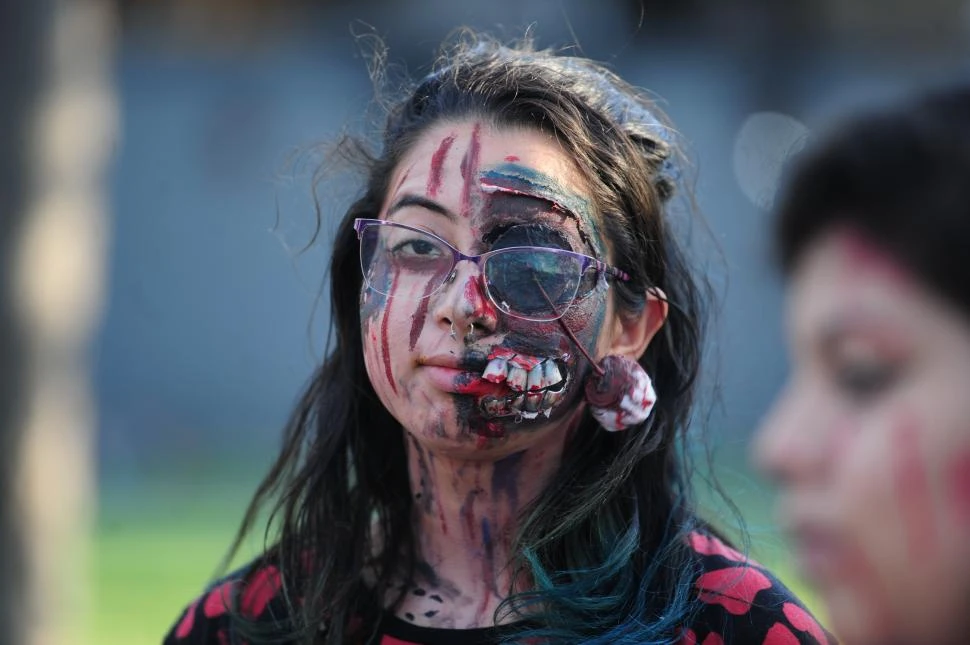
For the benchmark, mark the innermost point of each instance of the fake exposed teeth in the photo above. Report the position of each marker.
(496, 370)
(518, 378)
(522, 373)
(536, 384)
(552, 398)
(496, 407)
(527, 405)
(550, 373)
(533, 401)
(536, 380)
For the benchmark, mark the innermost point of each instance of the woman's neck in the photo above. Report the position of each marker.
(465, 517)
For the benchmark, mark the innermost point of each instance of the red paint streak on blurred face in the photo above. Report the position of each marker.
(867, 440)
(958, 490)
(913, 492)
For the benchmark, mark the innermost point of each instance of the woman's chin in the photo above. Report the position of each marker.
(482, 438)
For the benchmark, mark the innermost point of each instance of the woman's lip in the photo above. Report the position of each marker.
(459, 381)
(461, 363)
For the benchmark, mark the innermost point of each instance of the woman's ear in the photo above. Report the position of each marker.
(632, 333)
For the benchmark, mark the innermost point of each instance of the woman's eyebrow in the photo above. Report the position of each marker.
(421, 202)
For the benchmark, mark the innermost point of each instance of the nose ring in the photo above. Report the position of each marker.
(470, 336)
(453, 334)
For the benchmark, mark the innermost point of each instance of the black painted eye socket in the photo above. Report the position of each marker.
(530, 235)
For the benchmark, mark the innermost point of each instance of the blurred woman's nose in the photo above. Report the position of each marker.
(789, 443)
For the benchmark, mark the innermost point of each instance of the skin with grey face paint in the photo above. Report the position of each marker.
(476, 459)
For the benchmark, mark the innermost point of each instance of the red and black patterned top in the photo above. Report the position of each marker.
(743, 604)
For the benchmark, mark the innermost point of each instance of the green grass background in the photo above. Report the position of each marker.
(157, 545)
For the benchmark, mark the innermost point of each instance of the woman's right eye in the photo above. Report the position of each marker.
(415, 247)
(863, 381)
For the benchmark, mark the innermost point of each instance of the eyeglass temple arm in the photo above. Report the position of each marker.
(613, 271)
(569, 332)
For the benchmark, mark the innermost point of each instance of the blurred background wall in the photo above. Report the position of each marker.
(212, 319)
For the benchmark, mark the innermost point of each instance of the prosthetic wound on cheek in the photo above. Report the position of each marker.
(535, 384)
(621, 395)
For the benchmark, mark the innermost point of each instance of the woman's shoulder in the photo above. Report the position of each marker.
(742, 602)
(247, 592)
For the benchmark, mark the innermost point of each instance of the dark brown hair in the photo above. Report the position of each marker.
(607, 538)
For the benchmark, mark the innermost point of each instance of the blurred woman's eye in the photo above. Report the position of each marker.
(863, 381)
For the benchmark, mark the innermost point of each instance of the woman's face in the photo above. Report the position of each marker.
(870, 442)
(481, 188)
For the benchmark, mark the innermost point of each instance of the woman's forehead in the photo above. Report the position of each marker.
(452, 155)
(473, 170)
(846, 282)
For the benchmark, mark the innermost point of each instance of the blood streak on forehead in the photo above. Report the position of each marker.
(469, 170)
(437, 162)
(863, 256)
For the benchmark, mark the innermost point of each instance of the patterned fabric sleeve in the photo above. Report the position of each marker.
(744, 604)
(206, 621)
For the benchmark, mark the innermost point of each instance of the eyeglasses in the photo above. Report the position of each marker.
(529, 282)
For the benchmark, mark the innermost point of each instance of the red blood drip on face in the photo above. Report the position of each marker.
(385, 344)
(958, 485)
(437, 161)
(511, 158)
(417, 320)
(913, 489)
(480, 306)
(469, 171)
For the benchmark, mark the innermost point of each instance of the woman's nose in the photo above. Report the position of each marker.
(464, 303)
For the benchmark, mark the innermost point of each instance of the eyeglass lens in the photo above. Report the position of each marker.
(532, 283)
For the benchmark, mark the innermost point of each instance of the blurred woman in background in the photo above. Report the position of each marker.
(870, 440)
(493, 449)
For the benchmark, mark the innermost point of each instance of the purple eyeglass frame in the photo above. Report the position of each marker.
(457, 256)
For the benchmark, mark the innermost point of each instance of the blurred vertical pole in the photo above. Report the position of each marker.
(22, 28)
(57, 129)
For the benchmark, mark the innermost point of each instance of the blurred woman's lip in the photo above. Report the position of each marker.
(819, 552)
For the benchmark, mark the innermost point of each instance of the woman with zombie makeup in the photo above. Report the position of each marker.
(492, 451)
(870, 440)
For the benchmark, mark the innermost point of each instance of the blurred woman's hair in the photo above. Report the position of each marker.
(605, 544)
(900, 177)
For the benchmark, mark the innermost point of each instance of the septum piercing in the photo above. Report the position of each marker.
(453, 334)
